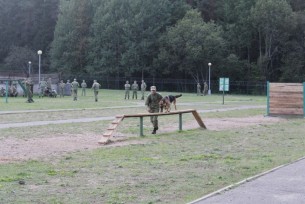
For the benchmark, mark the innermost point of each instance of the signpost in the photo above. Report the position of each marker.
(223, 86)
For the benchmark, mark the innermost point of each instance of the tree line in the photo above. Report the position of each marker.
(249, 40)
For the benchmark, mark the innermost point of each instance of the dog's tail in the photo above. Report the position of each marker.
(177, 96)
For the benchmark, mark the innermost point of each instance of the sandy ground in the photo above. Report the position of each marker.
(13, 149)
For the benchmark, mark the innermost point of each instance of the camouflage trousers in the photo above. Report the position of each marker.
(154, 119)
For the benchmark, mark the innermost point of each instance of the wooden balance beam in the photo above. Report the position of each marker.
(114, 124)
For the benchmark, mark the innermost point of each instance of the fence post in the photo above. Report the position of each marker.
(304, 99)
(141, 126)
(180, 121)
(268, 97)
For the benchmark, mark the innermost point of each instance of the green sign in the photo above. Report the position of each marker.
(223, 84)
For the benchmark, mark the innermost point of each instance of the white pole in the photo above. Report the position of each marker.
(39, 54)
(209, 91)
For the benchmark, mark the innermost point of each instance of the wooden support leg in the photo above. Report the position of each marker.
(141, 126)
(180, 121)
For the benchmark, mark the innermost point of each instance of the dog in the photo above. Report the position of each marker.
(166, 101)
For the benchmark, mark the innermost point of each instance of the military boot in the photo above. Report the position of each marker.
(154, 131)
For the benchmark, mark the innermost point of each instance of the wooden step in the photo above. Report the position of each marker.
(108, 133)
(104, 140)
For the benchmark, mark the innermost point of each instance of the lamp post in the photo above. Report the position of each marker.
(209, 91)
(39, 52)
(30, 67)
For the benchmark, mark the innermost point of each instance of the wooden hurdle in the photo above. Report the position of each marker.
(285, 99)
(114, 124)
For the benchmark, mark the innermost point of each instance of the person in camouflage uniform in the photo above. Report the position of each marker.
(68, 90)
(205, 88)
(152, 103)
(74, 86)
(49, 84)
(28, 84)
(127, 89)
(135, 88)
(62, 86)
(84, 86)
(42, 87)
(13, 91)
(95, 87)
(143, 89)
(198, 89)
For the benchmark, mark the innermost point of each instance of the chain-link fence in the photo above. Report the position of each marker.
(180, 85)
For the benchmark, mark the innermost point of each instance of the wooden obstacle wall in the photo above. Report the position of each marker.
(285, 99)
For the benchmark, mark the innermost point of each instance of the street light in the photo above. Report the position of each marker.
(209, 91)
(30, 67)
(39, 52)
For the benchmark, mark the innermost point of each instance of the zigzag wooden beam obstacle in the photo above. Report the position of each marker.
(114, 124)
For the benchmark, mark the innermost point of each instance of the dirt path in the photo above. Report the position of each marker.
(13, 149)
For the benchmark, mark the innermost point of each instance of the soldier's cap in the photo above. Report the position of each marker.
(94, 80)
(153, 88)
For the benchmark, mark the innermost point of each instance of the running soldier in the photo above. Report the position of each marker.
(152, 103)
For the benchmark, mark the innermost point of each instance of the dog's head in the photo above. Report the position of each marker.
(162, 105)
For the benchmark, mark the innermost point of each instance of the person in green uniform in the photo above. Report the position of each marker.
(198, 89)
(205, 88)
(74, 86)
(95, 87)
(143, 89)
(62, 86)
(135, 88)
(127, 89)
(28, 84)
(84, 86)
(42, 87)
(152, 103)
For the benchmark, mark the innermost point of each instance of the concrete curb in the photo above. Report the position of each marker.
(242, 182)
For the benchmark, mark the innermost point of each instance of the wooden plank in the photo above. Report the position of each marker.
(286, 97)
(276, 104)
(198, 119)
(112, 126)
(104, 140)
(108, 133)
(286, 111)
(286, 87)
(158, 114)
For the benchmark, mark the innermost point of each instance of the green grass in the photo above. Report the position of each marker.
(173, 167)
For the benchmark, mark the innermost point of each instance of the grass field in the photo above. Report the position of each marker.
(170, 167)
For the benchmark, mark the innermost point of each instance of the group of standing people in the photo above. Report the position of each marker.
(135, 88)
(73, 87)
(205, 89)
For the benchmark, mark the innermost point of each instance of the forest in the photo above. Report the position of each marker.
(245, 40)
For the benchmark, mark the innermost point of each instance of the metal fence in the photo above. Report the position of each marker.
(181, 85)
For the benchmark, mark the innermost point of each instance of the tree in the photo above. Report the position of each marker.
(190, 45)
(18, 58)
(68, 51)
(271, 19)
